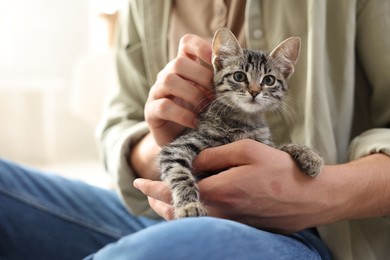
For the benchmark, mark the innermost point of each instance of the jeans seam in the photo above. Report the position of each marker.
(307, 243)
(57, 213)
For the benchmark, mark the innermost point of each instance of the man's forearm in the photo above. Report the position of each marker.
(365, 186)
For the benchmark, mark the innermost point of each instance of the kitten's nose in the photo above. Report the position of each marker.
(254, 93)
(254, 90)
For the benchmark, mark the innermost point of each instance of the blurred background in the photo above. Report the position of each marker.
(56, 64)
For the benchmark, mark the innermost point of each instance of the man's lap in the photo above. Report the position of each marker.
(57, 218)
(45, 216)
(207, 238)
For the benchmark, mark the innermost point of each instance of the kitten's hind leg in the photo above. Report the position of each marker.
(308, 160)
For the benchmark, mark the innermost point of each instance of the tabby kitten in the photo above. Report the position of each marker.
(247, 84)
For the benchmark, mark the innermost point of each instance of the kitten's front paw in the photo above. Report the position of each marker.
(312, 165)
(308, 160)
(193, 209)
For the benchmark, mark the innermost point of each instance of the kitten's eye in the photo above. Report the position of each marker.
(239, 76)
(268, 80)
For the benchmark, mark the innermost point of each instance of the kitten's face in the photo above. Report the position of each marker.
(250, 83)
(253, 81)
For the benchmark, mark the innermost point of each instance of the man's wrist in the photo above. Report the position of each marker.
(357, 189)
(143, 158)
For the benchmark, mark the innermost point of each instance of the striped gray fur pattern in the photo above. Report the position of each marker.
(247, 84)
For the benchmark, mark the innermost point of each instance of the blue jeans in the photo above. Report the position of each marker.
(44, 216)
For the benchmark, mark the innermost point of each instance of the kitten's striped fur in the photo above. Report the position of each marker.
(247, 84)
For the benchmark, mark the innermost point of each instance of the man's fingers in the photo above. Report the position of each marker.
(173, 85)
(195, 48)
(163, 209)
(226, 156)
(154, 189)
(159, 196)
(166, 110)
(192, 71)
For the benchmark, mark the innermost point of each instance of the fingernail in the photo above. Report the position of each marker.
(136, 183)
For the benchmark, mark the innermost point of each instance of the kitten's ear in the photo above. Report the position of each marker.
(225, 46)
(286, 55)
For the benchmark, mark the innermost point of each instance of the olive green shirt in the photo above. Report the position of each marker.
(338, 97)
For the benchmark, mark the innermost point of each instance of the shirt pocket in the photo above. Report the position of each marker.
(135, 64)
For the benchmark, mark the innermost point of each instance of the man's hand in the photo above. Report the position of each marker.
(257, 185)
(182, 89)
(262, 186)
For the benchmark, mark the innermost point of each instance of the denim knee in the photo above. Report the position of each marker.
(206, 238)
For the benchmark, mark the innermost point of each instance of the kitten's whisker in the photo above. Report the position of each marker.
(201, 103)
(225, 105)
(283, 109)
(215, 102)
(219, 111)
(222, 110)
(288, 113)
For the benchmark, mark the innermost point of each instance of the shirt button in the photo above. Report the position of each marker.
(257, 34)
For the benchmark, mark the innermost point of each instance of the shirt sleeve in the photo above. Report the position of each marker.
(373, 48)
(123, 123)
